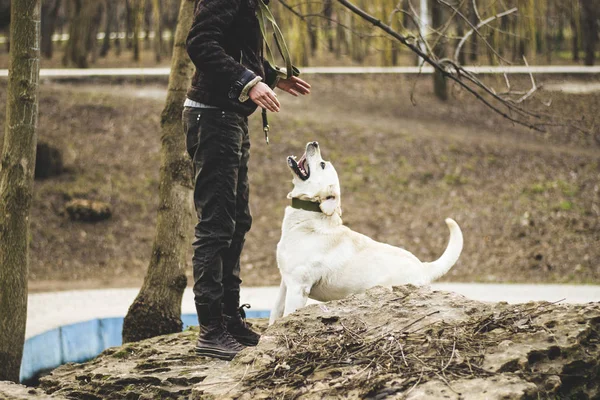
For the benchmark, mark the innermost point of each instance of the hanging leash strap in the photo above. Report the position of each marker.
(265, 17)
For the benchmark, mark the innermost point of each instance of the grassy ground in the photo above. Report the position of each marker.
(528, 203)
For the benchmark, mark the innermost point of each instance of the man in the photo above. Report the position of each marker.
(226, 46)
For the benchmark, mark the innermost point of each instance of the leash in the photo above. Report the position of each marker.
(265, 122)
(265, 17)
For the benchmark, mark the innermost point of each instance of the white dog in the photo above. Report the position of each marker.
(320, 258)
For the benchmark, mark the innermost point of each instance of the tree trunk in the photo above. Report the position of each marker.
(138, 22)
(589, 29)
(576, 30)
(157, 22)
(129, 22)
(328, 14)
(460, 32)
(532, 28)
(16, 181)
(440, 84)
(341, 36)
(49, 14)
(121, 9)
(94, 30)
(109, 25)
(83, 24)
(157, 308)
(474, 21)
(312, 28)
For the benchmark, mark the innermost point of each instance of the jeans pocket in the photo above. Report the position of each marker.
(191, 127)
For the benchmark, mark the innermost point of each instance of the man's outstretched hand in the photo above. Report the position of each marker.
(294, 86)
(264, 97)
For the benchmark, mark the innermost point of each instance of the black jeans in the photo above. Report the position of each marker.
(219, 145)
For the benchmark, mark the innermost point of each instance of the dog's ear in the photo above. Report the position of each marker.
(331, 204)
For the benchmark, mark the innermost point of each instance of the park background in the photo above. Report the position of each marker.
(527, 201)
(409, 153)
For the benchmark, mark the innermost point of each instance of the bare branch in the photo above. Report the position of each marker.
(479, 25)
(533, 85)
(452, 71)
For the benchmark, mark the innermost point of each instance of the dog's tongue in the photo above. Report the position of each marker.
(301, 163)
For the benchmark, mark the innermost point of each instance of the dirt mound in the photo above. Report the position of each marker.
(403, 343)
(420, 344)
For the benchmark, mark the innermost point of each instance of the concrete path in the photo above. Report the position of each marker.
(164, 72)
(47, 311)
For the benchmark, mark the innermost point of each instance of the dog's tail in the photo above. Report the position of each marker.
(451, 254)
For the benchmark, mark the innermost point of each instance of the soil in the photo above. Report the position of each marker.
(400, 343)
(528, 202)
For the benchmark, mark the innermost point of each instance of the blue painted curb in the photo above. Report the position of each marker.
(83, 341)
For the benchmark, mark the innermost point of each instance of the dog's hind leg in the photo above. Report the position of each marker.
(277, 311)
(296, 298)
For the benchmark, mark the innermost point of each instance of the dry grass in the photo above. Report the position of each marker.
(348, 355)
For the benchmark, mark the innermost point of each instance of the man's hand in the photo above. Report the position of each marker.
(264, 97)
(294, 86)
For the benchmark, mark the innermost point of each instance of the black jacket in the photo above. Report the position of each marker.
(225, 45)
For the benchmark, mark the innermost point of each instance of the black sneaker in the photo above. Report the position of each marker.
(214, 341)
(240, 329)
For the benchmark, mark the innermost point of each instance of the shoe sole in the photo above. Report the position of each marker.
(213, 353)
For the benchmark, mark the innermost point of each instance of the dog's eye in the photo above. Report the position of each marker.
(323, 164)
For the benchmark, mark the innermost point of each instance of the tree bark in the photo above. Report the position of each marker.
(157, 308)
(16, 181)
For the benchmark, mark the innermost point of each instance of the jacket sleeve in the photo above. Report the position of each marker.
(205, 45)
(271, 77)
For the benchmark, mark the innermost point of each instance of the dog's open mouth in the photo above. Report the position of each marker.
(300, 167)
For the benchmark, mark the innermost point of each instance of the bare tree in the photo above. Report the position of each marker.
(84, 21)
(5, 19)
(110, 25)
(138, 7)
(157, 308)
(49, 15)
(589, 16)
(16, 182)
(440, 84)
(158, 31)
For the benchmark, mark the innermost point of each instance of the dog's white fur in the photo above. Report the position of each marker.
(320, 258)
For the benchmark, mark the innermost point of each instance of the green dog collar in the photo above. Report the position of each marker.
(306, 205)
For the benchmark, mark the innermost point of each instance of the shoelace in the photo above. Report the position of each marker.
(243, 313)
(228, 337)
